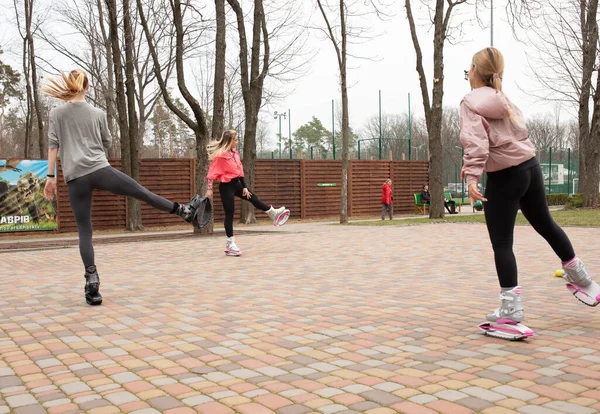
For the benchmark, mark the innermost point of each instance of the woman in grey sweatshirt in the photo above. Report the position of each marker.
(78, 133)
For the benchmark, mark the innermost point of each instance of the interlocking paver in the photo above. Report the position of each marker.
(296, 340)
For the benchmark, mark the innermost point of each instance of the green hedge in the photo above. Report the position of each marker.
(557, 199)
(575, 201)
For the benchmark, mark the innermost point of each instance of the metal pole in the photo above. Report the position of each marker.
(455, 175)
(492, 23)
(280, 137)
(462, 164)
(380, 124)
(569, 171)
(311, 153)
(550, 172)
(359, 149)
(290, 130)
(409, 130)
(272, 155)
(333, 126)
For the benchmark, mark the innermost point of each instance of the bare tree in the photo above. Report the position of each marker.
(433, 108)
(219, 85)
(566, 37)
(9, 89)
(87, 17)
(31, 77)
(198, 122)
(252, 79)
(340, 44)
(133, 164)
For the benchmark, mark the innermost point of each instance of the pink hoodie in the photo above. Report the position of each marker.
(492, 142)
(225, 167)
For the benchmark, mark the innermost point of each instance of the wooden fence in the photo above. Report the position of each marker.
(293, 183)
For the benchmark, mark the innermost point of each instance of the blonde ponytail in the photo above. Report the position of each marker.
(496, 82)
(66, 87)
(216, 148)
(489, 65)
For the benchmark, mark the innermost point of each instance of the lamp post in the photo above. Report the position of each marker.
(462, 164)
(380, 134)
(492, 23)
(333, 126)
(277, 115)
(417, 151)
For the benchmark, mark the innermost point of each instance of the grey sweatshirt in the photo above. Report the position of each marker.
(80, 132)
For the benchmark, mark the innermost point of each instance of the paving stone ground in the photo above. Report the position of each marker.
(312, 319)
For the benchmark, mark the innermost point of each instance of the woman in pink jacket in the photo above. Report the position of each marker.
(495, 140)
(226, 167)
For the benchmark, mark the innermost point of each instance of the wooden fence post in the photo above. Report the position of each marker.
(302, 189)
(350, 203)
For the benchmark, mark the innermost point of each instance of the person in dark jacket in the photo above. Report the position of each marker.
(426, 199)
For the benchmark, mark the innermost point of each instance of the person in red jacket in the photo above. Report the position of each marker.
(386, 198)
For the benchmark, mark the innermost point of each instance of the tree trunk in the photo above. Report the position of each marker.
(345, 119)
(247, 215)
(198, 126)
(252, 87)
(28, 150)
(134, 212)
(2, 109)
(34, 79)
(592, 157)
(434, 113)
(121, 98)
(589, 28)
(219, 86)
(109, 94)
(202, 164)
(436, 163)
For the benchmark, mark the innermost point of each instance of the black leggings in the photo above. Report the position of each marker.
(508, 190)
(234, 189)
(111, 180)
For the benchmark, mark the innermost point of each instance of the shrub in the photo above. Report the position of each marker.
(575, 201)
(557, 199)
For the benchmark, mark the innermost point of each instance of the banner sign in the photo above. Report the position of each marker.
(23, 206)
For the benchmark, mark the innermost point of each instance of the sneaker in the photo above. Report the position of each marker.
(231, 248)
(580, 284)
(279, 216)
(511, 308)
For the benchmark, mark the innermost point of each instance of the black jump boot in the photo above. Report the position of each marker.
(186, 211)
(92, 286)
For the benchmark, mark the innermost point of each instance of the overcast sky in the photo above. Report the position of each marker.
(393, 72)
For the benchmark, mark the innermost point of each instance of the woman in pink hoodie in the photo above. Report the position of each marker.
(493, 134)
(226, 168)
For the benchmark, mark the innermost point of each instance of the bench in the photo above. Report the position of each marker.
(458, 203)
(420, 208)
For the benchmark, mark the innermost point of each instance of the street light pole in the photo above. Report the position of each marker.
(277, 115)
(290, 130)
(333, 126)
(492, 23)
(409, 130)
(380, 124)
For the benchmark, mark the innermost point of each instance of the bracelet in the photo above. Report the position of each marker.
(50, 175)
